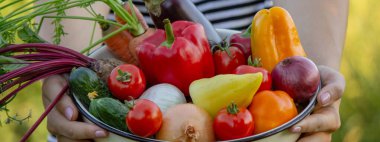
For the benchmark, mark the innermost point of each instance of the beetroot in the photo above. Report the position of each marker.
(43, 60)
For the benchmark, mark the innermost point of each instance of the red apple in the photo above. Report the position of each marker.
(298, 76)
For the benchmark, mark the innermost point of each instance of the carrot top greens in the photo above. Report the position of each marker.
(15, 24)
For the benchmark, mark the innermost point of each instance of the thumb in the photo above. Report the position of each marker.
(333, 86)
(50, 89)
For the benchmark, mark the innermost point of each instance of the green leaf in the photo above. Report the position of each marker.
(27, 35)
(3, 43)
(58, 30)
(9, 36)
(8, 64)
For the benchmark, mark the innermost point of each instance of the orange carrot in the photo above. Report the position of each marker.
(124, 44)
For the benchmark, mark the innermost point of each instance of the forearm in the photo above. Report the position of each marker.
(321, 25)
(78, 31)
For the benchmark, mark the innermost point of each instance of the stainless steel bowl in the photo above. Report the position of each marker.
(279, 133)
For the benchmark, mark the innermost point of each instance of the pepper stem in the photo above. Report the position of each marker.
(169, 34)
(247, 32)
(123, 76)
(232, 108)
(256, 62)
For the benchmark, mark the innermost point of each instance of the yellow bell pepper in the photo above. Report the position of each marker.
(213, 94)
(274, 37)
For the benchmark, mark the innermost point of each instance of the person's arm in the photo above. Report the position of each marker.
(62, 121)
(78, 31)
(321, 25)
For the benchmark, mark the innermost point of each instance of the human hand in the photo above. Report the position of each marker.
(61, 121)
(325, 119)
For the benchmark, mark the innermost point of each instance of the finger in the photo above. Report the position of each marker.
(66, 139)
(325, 119)
(59, 125)
(51, 86)
(333, 86)
(316, 137)
(67, 108)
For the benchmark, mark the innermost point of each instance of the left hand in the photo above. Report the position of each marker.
(325, 119)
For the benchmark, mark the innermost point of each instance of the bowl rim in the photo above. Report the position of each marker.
(305, 112)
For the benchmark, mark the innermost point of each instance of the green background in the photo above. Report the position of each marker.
(360, 108)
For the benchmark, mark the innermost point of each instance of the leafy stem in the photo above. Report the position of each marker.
(10, 24)
(58, 27)
(15, 117)
(105, 38)
(78, 17)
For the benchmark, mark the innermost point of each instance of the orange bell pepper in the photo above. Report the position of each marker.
(271, 109)
(274, 37)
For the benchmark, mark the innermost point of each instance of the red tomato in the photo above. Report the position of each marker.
(126, 81)
(144, 118)
(225, 64)
(271, 109)
(266, 84)
(233, 123)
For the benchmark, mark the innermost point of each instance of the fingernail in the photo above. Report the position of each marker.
(100, 134)
(69, 113)
(325, 98)
(296, 130)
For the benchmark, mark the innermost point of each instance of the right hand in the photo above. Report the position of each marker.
(61, 121)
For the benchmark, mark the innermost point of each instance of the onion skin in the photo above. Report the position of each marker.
(298, 76)
(164, 95)
(186, 123)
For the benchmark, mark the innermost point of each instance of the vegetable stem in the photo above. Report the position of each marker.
(45, 47)
(135, 28)
(4, 101)
(92, 36)
(123, 76)
(232, 109)
(255, 63)
(81, 18)
(42, 117)
(105, 38)
(41, 65)
(247, 32)
(169, 34)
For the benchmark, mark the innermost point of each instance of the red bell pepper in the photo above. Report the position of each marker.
(178, 57)
(243, 42)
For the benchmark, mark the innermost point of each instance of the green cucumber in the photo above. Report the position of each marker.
(84, 82)
(110, 111)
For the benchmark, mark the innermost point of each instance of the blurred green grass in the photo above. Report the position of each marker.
(360, 108)
(27, 100)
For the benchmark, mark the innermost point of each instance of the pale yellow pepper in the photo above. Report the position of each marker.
(213, 94)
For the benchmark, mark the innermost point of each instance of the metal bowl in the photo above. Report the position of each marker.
(279, 133)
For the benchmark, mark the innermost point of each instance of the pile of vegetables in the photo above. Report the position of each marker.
(180, 83)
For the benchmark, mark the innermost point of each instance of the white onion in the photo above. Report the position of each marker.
(164, 95)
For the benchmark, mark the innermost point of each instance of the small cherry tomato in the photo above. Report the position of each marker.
(271, 109)
(233, 123)
(227, 59)
(266, 84)
(126, 81)
(144, 118)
